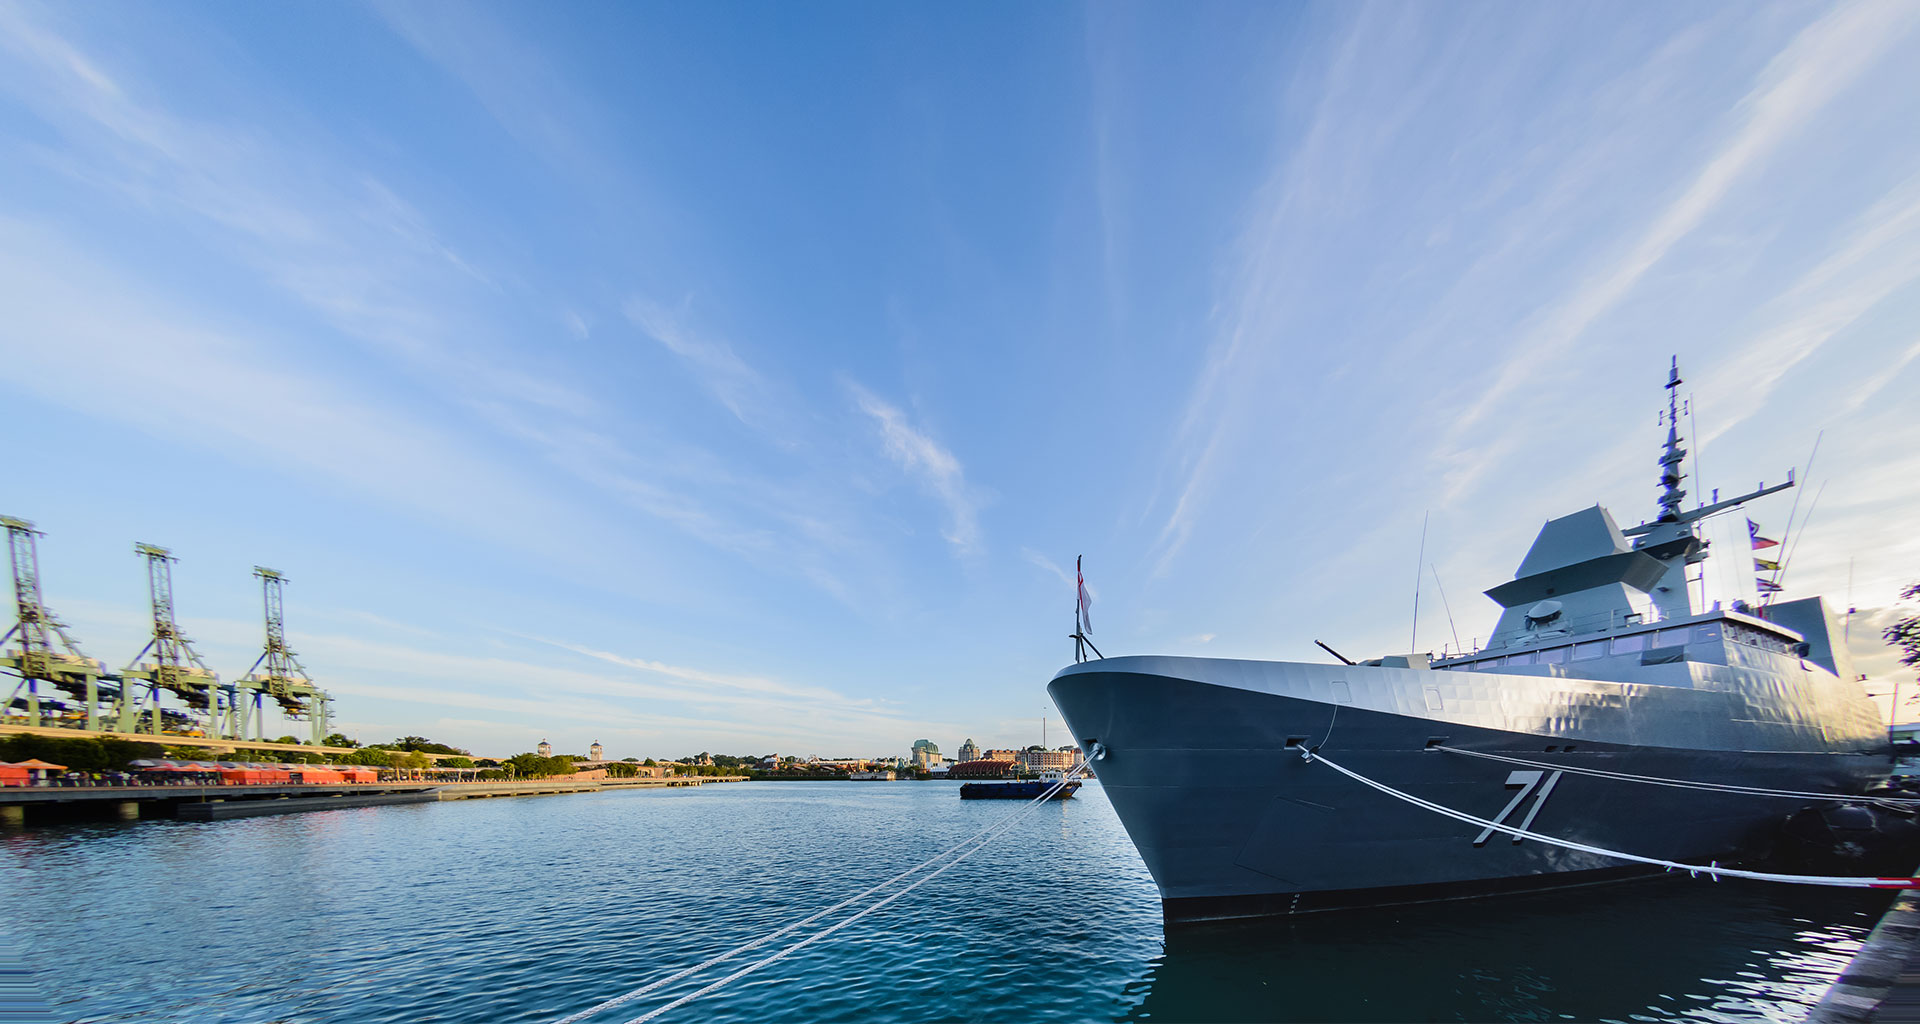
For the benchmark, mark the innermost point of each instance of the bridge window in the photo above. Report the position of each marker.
(1629, 644)
(1590, 650)
(1556, 656)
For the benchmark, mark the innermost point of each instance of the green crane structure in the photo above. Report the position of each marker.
(174, 667)
(277, 673)
(59, 686)
(46, 652)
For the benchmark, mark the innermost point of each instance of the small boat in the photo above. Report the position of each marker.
(1025, 789)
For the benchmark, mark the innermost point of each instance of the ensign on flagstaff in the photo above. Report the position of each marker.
(1086, 602)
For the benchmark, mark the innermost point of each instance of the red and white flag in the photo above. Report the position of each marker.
(1086, 602)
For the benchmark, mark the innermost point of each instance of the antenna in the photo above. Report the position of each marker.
(1444, 603)
(1413, 641)
(1786, 534)
(1795, 545)
(1846, 631)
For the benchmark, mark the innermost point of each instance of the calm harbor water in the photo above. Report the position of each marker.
(529, 909)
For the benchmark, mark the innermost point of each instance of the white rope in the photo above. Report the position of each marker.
(1714, 787)
(1714, 870)
(980, 837)
(824, 932)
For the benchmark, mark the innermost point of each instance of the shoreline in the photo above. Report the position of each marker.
(217, 803)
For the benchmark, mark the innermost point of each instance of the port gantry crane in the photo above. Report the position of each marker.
(175, 667)
(277, 673)
(47, 652)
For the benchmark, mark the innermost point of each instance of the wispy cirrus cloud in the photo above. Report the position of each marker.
(926, 460)
(1877, 256)
(1058, 571)
(734, 384)
(1818, 65)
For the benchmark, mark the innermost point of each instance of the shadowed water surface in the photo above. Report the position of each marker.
(529, 909)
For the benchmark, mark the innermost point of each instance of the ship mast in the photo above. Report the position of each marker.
(1671, 493)
(1673, 537)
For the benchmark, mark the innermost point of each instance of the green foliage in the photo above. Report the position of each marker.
(191, 754)
(295, 740)
(372, 756)
(533, 766)
(82, 754)
(338, 739)
(456, 762)
(1905, 634)
(648, 761)
(410, 759)
(622, 770)
(421, 743)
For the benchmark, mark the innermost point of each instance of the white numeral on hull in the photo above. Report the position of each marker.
(1527, 783)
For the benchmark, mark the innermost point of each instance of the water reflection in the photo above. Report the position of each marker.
(1658, 949)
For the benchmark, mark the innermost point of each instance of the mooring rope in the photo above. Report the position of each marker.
(1652, 780)
(978, 840)
(1715, 870)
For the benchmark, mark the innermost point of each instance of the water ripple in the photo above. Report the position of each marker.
(525, 910)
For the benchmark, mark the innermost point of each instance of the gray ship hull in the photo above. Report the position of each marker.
(1201, 760)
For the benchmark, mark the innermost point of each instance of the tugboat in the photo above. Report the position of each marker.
(1024, 789)
(1600, 663)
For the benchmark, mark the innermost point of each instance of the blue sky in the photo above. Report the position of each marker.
(746, 377)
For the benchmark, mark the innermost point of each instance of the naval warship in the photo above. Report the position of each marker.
(1599, 661)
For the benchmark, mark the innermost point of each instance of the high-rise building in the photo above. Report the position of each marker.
(968, 752)
(545, 749)
(926, 753)
(594, 752)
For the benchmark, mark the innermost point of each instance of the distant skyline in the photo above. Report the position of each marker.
(747, 377)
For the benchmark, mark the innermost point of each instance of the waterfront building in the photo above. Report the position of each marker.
(926, 753)
(545, 749)
(1042, 760)
(980, 768)
(968, 752)
(1001, 755)
(594, 752)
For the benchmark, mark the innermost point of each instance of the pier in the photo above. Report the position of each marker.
(1882, 983)
(216, 803)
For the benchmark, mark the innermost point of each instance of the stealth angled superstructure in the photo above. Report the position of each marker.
(1599, 660)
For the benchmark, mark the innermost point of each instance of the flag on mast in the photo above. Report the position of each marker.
(1759, 542)
(1086, 602)
(1768, 586)
(1765, 564)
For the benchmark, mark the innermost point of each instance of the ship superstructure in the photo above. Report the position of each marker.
(1600, 659)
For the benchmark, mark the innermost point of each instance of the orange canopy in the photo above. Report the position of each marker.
(39, 765)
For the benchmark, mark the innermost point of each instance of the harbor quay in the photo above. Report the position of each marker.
(214, 802)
